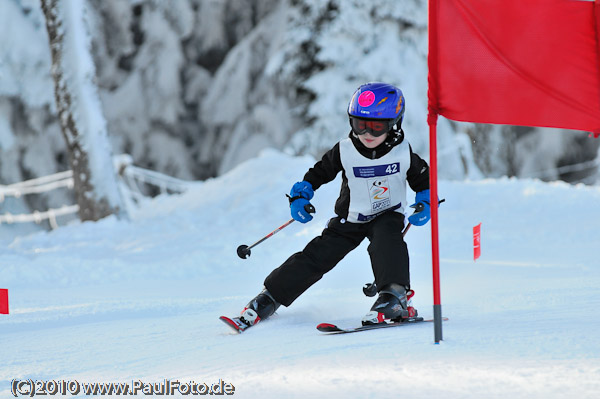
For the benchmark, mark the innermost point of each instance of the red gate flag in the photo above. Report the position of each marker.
(516, 62)
(476, 242)
(3, 301)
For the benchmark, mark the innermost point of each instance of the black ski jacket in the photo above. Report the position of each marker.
(330, 165)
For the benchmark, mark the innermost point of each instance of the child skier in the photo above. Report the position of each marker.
(376, 162)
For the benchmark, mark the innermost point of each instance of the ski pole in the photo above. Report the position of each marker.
(243, 251)
(370, 289)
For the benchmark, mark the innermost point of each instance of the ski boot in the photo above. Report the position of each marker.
(259, 308)
(392, 305)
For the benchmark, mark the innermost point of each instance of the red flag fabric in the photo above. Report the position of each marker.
(3, 301)
(516, 62)
(476, 242)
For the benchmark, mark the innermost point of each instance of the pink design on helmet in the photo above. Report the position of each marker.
(366, 98)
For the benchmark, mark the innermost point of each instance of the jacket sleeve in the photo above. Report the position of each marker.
(417, 175)
(326, 169)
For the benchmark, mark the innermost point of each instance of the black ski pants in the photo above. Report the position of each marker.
(387, 249)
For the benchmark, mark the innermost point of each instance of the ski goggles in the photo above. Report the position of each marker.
(375, 128)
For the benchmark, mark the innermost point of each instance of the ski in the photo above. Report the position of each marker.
(235, 323)
(334, 329)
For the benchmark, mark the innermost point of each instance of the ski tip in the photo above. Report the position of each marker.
(234, 326)
(327, 327)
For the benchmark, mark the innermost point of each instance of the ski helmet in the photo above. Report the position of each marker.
(376, 108)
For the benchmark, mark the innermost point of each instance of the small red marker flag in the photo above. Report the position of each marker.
(3, 301)
(476, 241)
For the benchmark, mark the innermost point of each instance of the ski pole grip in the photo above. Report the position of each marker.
(309, 208)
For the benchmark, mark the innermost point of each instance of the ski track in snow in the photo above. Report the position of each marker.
(140, 300)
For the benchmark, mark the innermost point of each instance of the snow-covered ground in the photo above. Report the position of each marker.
(118, 301)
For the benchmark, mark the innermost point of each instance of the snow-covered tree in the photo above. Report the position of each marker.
(79, 110)
(191, 88)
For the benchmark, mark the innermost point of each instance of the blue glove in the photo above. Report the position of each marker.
(422, 209)
(302, 189)
(300, 194)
